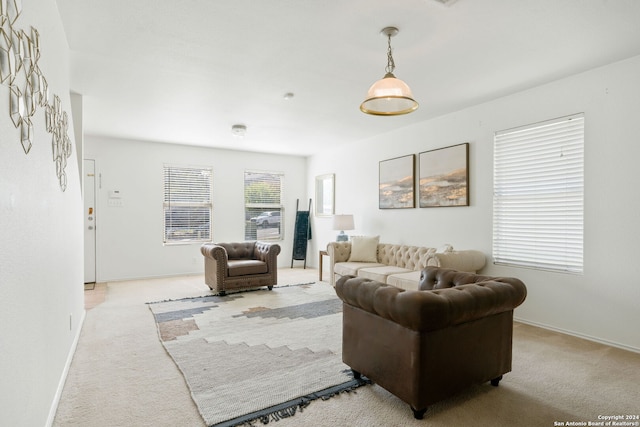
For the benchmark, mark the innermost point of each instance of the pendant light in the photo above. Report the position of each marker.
(389, 96)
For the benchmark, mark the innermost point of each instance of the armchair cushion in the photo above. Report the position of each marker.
(242, 267)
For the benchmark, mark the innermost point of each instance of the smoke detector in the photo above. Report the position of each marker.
(239, 130)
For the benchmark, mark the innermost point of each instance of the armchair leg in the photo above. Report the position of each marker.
(357, 375)
(270, 287)
(418, 414)
(222, 293)
(496, 381)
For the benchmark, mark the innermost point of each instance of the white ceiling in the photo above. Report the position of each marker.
(185, 71)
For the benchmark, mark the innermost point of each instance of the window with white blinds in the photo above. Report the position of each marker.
(263, 205)
(538, 196)
(187, 204)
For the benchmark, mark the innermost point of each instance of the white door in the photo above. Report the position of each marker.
(89, 221)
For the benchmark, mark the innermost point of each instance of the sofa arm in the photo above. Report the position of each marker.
(215, 265)
(339, 251)
(431, 310)
(267, 252)
(213, 251)
(468, 260)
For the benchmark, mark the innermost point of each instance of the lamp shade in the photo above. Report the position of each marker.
(343, 222)
(389, 96)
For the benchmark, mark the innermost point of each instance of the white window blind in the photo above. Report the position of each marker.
(538, 195)
(263, 205)
(187, 204)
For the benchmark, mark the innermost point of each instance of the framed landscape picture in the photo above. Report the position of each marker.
(444, 177)
(396, 183)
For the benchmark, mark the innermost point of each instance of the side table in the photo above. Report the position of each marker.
(322, 253)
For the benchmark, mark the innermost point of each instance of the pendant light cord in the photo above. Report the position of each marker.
(390, 64)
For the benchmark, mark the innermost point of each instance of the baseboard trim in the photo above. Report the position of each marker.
(65, 372)
(579, 335)
(161, 276)
(167, 276)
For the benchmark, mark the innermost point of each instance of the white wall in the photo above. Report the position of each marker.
(602, 304)
(41, 247)
(129, 238)
(77, 111)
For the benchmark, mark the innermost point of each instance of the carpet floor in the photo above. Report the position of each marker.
(121, 375)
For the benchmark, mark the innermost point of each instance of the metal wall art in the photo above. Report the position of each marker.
(19, 55)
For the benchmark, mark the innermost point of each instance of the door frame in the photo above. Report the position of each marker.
(89, 219)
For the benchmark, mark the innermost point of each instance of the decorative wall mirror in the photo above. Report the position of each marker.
(325, 186)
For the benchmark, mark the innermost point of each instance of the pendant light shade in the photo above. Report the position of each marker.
(389, 96)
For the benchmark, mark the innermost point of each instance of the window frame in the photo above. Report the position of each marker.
(251, 208)
(168, 203)
(538, 195)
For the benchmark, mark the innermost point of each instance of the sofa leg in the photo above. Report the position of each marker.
(270, 287)
(222, 293)
(418, 414)
(496, 381)
(357, 375)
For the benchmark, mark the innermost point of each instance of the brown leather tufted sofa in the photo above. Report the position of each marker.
(235, 266)
(426, 345)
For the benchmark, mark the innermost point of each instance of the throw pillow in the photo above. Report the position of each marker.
(364, 249)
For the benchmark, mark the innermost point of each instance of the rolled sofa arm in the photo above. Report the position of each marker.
(430, 310)
(467, 260)
(339, 251)
(267, 252)
(213, 251)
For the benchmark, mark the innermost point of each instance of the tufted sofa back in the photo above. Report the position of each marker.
(442, 278)
(409, 257)
(426, 309)
(241, 250)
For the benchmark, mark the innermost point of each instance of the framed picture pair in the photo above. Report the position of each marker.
(443, 179)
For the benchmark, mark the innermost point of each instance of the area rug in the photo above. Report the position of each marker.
(257, 356)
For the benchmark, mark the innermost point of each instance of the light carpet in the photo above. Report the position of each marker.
(122, 376)
(260, 355)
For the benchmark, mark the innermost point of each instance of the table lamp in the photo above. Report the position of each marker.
(342, 222)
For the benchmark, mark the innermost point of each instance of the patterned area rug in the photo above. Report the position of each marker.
(257, 356)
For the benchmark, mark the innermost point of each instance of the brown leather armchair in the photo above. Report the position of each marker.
(235, 266)
(426, 345)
